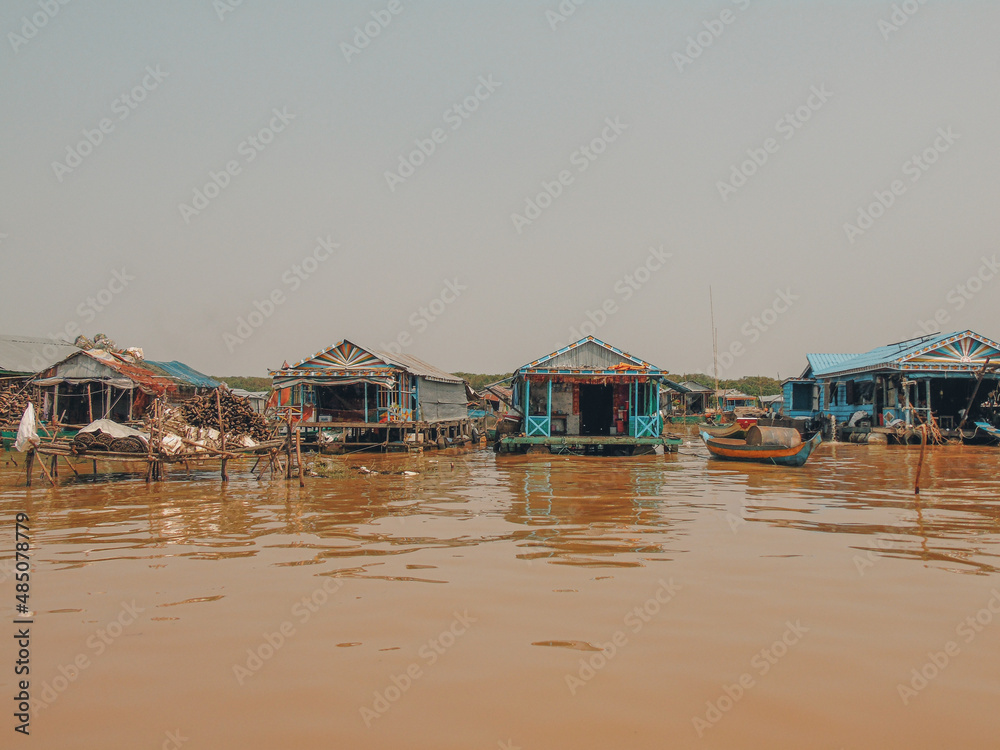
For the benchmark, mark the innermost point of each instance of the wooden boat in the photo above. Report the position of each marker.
(734, 430)
(767, 445)
(990, 433)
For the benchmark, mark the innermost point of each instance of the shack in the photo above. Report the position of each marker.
(698, 398)
(353, 396)
(588, 397)
(99, 384)
(948, 381)
(731, 399)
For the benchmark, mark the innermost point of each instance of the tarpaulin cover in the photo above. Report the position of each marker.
(27, 435)
(114, 429)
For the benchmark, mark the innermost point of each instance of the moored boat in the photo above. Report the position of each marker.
(768, 445)
(730, 430)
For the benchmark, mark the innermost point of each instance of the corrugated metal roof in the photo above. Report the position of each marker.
(821, 362)
(891, 355)
(416, 366)
(183, 373)
(28, 355)
(694, 387)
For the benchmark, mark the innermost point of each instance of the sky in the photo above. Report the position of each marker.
(239, 184)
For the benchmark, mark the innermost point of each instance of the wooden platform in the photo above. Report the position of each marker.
(614, 444)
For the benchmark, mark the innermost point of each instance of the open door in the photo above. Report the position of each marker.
(596, 409)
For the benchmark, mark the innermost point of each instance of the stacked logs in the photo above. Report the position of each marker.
(13, 401)
(102, 441)
(238, 417)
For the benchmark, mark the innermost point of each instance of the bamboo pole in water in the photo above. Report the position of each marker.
(222, 430)
(920, 462)
(298, 455)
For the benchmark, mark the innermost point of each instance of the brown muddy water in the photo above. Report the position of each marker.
(517, 602)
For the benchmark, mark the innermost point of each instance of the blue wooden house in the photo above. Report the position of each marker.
(951, 377)
(589, 397)
(369, 397)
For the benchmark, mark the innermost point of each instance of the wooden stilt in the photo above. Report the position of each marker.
(41, 465)
(920, 462)
(288, 449)
(298, 456)
(222, 431)
(70, 465)
(28, 462)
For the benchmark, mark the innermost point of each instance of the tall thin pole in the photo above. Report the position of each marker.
(715, 347)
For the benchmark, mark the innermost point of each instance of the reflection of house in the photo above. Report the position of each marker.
(96, 384)
(941, 375)
(589, 395)
(371, 393)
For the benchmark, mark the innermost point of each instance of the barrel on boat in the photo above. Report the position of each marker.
(783, 436)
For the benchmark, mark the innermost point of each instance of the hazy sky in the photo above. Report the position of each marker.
(481, 180)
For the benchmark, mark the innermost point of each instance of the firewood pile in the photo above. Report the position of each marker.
(13, 401)
(238, 417)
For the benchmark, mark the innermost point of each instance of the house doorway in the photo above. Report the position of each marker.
(596, 409)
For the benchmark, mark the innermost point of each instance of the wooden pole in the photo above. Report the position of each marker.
(90, 405)
(288, 447)
(28, 463)
(70, 465)
(298, 455)
(41, 465)
(975, 392)
(920, 463)
(149, 449)
(222, 431)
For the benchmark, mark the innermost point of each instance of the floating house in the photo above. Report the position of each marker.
(588, 397)
(365, 397)
(697, 399)
(98, 384)
(731, 400)
(949, 380)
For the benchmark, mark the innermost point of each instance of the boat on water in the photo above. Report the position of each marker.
(730, 430)
(768, 445)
